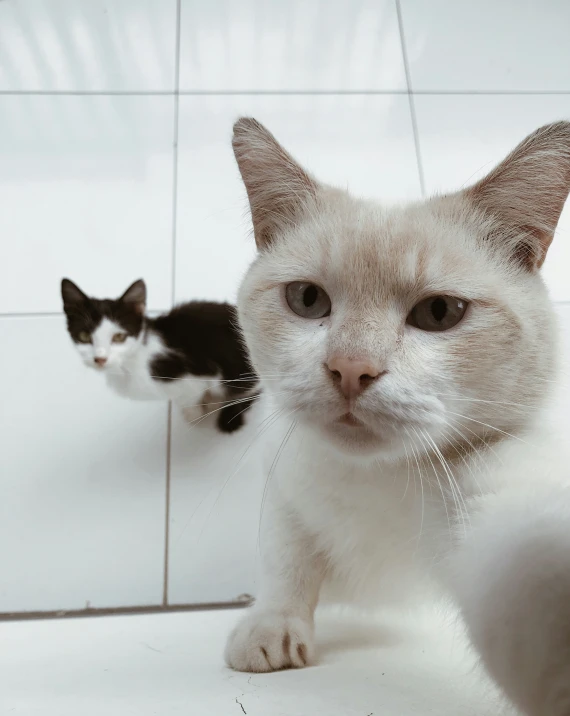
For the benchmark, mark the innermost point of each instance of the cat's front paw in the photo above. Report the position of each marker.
(269, 641)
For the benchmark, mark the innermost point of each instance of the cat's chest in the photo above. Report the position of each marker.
(362, 511)
(359, 507)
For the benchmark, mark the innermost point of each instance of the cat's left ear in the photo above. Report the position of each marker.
(526, 192)
(71, 294)
(279, 190)
(135, 296)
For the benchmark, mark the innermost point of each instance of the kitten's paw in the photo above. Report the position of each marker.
(230, 418)
(269, 641)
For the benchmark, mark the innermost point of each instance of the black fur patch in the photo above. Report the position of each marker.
(85, 314)
(202, 338)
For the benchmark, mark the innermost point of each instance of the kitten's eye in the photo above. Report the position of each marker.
(307, 300)
(119, 337)
(84, 337)
(437, 313)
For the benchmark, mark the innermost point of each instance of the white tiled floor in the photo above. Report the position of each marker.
(172, 664)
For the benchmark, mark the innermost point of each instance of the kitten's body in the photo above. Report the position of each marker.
(192, 355)
(414, 350)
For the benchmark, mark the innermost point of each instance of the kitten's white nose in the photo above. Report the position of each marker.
(100, 361)
(352, 376)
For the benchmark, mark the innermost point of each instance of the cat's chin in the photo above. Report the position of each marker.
(353, 438)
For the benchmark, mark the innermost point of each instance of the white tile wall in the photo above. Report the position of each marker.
(115, 163)
(87, 45)
(290, 45)
(86, 191)
(82, 479)
(484, 46)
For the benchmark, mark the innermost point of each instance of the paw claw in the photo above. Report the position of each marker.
(269, 641)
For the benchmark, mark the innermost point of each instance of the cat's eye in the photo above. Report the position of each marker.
(437, 313)
(307, 300)
(119, 337)
(84, 337)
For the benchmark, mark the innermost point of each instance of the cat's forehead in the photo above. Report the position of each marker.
(365, 249)
(106, 329)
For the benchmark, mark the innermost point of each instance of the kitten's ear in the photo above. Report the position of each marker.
(277, 187)
(71, 294)
(527, 191)
(135, 295)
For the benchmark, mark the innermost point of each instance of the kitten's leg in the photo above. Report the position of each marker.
(511, 577)
(278, 631)
(232, 416)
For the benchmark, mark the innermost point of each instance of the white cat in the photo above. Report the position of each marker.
(414, 350)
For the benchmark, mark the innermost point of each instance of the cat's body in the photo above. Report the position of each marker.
(192, 355)
(414, 351)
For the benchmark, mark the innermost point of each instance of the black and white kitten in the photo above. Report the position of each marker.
(192, 355)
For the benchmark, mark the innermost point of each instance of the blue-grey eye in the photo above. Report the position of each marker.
(437, 313)
(307, 300)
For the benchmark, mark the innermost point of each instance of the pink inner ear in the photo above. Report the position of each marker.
(278, 188)
(526, 193)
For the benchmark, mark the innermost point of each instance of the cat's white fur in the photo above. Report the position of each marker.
(455, 474)
(127, 371)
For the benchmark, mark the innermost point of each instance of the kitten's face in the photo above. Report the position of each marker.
(412, 329)
(106, 332)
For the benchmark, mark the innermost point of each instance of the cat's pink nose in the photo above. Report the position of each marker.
(100, 361)
(352, 376)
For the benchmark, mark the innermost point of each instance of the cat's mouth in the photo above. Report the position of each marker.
(350, 420)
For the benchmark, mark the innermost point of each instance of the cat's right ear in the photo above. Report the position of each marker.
(71, 294)
(278, 188)
(135, 296)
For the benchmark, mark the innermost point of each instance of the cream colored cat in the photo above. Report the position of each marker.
(413, 349)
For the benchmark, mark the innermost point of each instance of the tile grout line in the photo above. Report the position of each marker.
(413, 117)
(173, 297)
(167, 504)
(286, 92)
